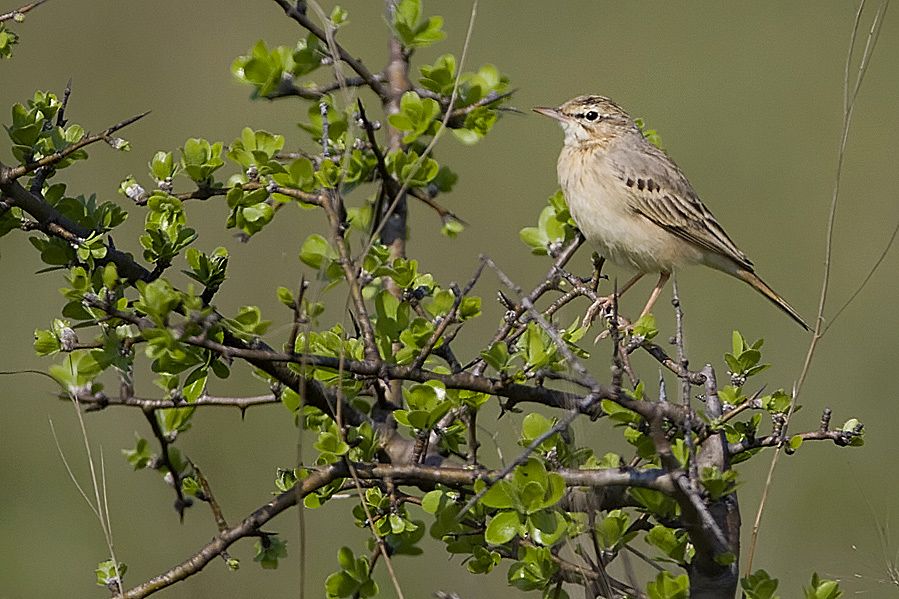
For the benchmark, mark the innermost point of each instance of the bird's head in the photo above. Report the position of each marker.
(588, 118)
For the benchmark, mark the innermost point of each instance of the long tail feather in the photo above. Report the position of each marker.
(763, 288)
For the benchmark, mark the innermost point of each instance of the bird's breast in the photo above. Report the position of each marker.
(600, 206)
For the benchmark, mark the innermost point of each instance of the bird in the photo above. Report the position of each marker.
(635, 206)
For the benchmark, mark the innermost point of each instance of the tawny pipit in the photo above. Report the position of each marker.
(635, 206)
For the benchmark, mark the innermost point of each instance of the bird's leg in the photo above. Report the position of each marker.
(663, 278)
(603, 303)
(653, 297)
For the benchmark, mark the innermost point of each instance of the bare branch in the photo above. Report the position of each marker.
(21, 11)
(333, 204)
(838, 437)
(317, 92)
(247, 528)
(8, 174)
(98, 401)
(52, 222)
(511, 320)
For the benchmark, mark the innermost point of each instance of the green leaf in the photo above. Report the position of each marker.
(499, 496)
(110, 573)
(140, 457)
(412, 32)
(536, 569)
(77, 369)
(299, 174)
(645, 327)
(190, 486)
(163, 167)
(352, 579)
(546, 527)
(317, 252)
(200, 159)
(497, 356)
(667, 586)
(416, 115)
(619, 414)
(608, 460)
(850, 425)
(7, 40)
(285, 296)
(673, 543)
(503, 528)
(257, 148)
(759, 585)
(286, 479)
(410, 169)
(269, 549)
(441, 76)
(328, 174)
(656, 502)
(535, 425)
(554, 226)
(432, 501)
(612, 532)
(651, 135)
(46, 342)
(777, 403)
(469, 307)
(249, 321)
(267, 70)
(718, 483)
(482, 561)
(338, 16)
(681, 452)
(823, 589)
(451, 228)
(408, 11)
(208, 269)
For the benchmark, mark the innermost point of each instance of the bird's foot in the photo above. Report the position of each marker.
(602, 305)
(623, 325)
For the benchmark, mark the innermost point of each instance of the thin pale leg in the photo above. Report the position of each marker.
(654, 296)
(604, 302)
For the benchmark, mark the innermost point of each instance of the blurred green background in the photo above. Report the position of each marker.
(748, 100)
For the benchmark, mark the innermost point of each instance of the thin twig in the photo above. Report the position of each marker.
(209, 498)
(182, 502)
(99, 401)
(318, 92)
(684, 364)
(9, 174)
(447, 320)
(17, 13)
(583, 404)
(300, 17)
(331, 205)
(248, 527)
(561, 259)
(101, 508)
(858, 290)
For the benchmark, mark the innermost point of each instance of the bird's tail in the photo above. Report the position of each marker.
(763, 288)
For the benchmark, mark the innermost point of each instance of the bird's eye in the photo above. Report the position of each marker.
(591, 115)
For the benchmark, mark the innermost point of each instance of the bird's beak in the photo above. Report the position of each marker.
(553, 113)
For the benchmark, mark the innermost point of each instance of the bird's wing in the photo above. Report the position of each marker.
(660, 192)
